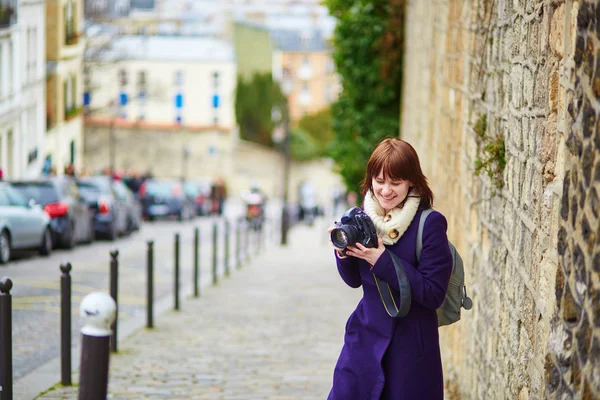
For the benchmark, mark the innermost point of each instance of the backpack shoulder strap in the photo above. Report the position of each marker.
(424, 215)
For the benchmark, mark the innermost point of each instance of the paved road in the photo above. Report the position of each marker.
(36, 280)
(272, 331)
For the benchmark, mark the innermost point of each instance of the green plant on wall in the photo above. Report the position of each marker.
(368, 49)
(491, 159)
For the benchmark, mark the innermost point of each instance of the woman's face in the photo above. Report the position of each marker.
(389, 193)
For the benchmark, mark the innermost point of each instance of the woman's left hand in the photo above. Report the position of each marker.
(370, 255)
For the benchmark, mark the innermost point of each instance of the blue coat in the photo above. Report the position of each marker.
(396, 358)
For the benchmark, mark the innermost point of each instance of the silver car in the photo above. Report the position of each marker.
(22, 226)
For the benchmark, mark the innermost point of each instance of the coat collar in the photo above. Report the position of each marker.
(391, 226)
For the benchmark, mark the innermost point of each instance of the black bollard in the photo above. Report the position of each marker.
(196, 262)
(226, 247)
(6, 383)
(257, 239)
(114, 293)
(247, 242)
(98, 311)
(150, 285)
(65, 324)
(238, 245)
(176, 280)
(214, 267)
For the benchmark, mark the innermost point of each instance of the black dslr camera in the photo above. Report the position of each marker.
(355, 226)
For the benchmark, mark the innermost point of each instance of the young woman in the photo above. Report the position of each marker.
(385, 357)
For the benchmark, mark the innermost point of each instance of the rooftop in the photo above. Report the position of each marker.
(305, 40)
(171, 48)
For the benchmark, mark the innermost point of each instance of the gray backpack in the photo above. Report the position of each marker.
(456, 296)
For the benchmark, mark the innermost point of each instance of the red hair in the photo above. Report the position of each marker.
(399, 161)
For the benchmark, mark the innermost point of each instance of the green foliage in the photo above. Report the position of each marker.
(254, 101)
(314, 131)
(481, 126)
(303, 146)
(368, 49)
(491, 159)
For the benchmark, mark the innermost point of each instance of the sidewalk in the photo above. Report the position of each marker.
(272, 330)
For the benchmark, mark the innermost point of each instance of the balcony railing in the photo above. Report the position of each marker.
(8, 14)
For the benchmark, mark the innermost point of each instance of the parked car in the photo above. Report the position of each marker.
(164, 198)
(22, 226)
(110, 212)
(199, 193)
(71, 218)
(132, 205)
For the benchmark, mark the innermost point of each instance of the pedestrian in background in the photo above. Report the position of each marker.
(383, 357)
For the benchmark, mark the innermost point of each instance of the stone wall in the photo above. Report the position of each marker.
(501, 100)
(212, 153)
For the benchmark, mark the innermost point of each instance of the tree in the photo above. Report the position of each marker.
(254, 101)
(368, 49)
(313, 136)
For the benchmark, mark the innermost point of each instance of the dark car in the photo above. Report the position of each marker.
(110, 212)
(199, 193)
(71, 221)
(132, 205)
(165, 198)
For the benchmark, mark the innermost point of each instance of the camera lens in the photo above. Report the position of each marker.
(343, 236)
(339, 238)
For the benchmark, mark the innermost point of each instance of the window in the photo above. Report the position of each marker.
(4, 201)
(15, 198)
(179, 75)
(69, 20)
(122, 77)
(306, 38)
(8, 13)
(142, 79)
(72, 152)
(328, 93)
(66, 95)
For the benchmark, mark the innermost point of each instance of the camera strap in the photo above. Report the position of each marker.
(400, 309)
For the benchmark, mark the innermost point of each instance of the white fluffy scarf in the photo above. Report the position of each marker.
(398, 219)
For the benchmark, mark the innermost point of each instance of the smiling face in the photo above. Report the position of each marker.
(389, 193)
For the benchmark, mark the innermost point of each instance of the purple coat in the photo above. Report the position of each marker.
(396, 358)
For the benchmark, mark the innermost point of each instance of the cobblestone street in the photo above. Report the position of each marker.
(273, 330)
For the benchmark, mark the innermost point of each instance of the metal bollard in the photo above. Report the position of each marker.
(114, 293)
(176, 280)
(247, 242)
(65, 324)
(6, 377)
(238, 245)
(214, 267)
(226, 261)
(196, 262)
(98, 311)
(257, 239)
(150, 285)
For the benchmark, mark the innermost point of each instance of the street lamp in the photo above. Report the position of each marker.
(282, 134)
(112, 145)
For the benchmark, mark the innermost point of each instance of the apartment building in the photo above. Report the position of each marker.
(65, 46)
(303, 65)
(21, 87)
(165, 81)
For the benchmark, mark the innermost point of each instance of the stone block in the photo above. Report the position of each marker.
(556, 38)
